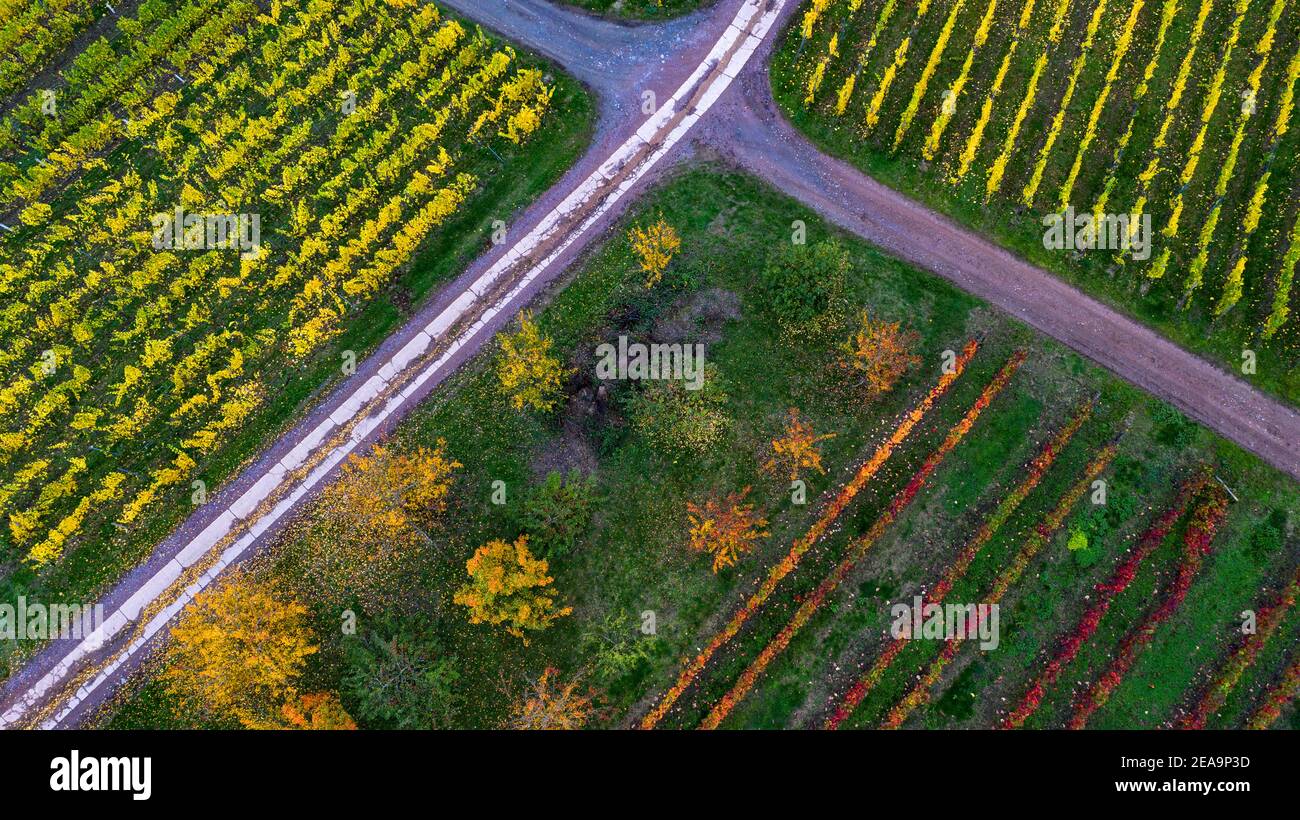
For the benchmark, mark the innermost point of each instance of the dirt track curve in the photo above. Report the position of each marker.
(709, 67)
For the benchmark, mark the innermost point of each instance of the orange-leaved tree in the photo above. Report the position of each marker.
(549, 704)
(320, 710)
(797, 448)
(239, 650)
(725, 528)
(655, 246)
(880, 352)
(508, 585)
(529, 373)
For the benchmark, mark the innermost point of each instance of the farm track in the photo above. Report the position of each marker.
(70, 679)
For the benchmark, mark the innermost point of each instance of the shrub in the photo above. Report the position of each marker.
(557, 511)
(399, 677)
(681, 421)
(801, 289)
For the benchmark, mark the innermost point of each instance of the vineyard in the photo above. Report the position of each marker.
(34, 31)
(1120, 541)
(1006, 114)
(211, 212)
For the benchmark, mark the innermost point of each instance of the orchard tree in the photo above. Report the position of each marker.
(239, 650)
(321, 711)
(530, 374)
(508, 585)
(797, 448)
(880, 353)
(549, 704)
(726, 528)
(655, 247)
(399, 677)
(801, 289)
(369, 525)
(557, 511)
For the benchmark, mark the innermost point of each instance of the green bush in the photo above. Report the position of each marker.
(620, 655)
(801, 289)
(397, 678)
(679, 421)
(557, 511)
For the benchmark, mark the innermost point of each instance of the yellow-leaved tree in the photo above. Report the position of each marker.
(550, 704)
(797, 448)
(369, 526)
(880, 352)
(530, 374)
(238, 651)
(655, 248)
(726, 528)
(508, 585)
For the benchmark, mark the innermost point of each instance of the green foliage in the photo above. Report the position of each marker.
(1268, 535)
(620, 655)
(679, 421)
(557, 511)
(1172, 427)
(958, 703)
(801, 289)
(398, 678)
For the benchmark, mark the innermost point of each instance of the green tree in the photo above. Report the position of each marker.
(399, 677)
(802, 288)
(557, 511)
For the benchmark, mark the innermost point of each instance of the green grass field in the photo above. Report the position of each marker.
(633, 557)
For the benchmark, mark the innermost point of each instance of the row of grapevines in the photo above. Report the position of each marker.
(31, 38)
(1054, 131)
(976, 135)
(999, 167)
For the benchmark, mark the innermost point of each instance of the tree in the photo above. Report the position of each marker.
(655, 248)
(321, 711)
(617, 651)
(507, 585)
(557, 511)
(239, 650)
(801, 289)
(682, 421)
(725, 529)
(797, 449)
(880, 353)
(529, 373)
(550, 705)
(399, 677)
(369, 525)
